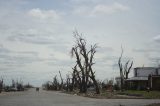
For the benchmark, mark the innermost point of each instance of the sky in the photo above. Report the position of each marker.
(37, 36)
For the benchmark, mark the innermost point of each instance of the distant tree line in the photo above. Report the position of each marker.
(15, 86)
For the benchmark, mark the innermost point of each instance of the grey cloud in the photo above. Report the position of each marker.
(115, 66)
(61, 47)
(111, 61)
(19, 60)
(11, 52)
(53, 61)
(106, 61)
(4, 27)
(98, 9)
(157, 38)
(3, 50)
(61, 63)
(28, 53)
(113, 58)
(104, 49)
(31, 38)
(16, 58)
(146, 50)
(89, 2)
(155, 61)
(3, 69)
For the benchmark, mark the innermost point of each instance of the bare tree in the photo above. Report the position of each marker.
(124, 70)
(61, 86)
(127, 69)
(121, 69)
(1, 85)
(13, 83)
(76, 78)
(84, 61)
(55, 83)
(68, 83)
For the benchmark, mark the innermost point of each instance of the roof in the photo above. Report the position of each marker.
(138, 79)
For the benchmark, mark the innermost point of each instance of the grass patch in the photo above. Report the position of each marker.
(154, 104)
(129, 94)
(144, 94)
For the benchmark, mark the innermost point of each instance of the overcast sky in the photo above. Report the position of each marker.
(36, 36)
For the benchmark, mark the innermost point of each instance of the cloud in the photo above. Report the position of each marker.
(14, 59)
(109, 9)
(86, 1)
(157, 38)
(104, 49)
(17, 60)
(100, 9)
(150, 53)
(43, 14)
(148, 50)
(32, 38)
(61, 63)
(111, 61)
(28, 53)
(54, 60)
(3, 50)
(155, 61)
(79, 1)
(61, 46)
